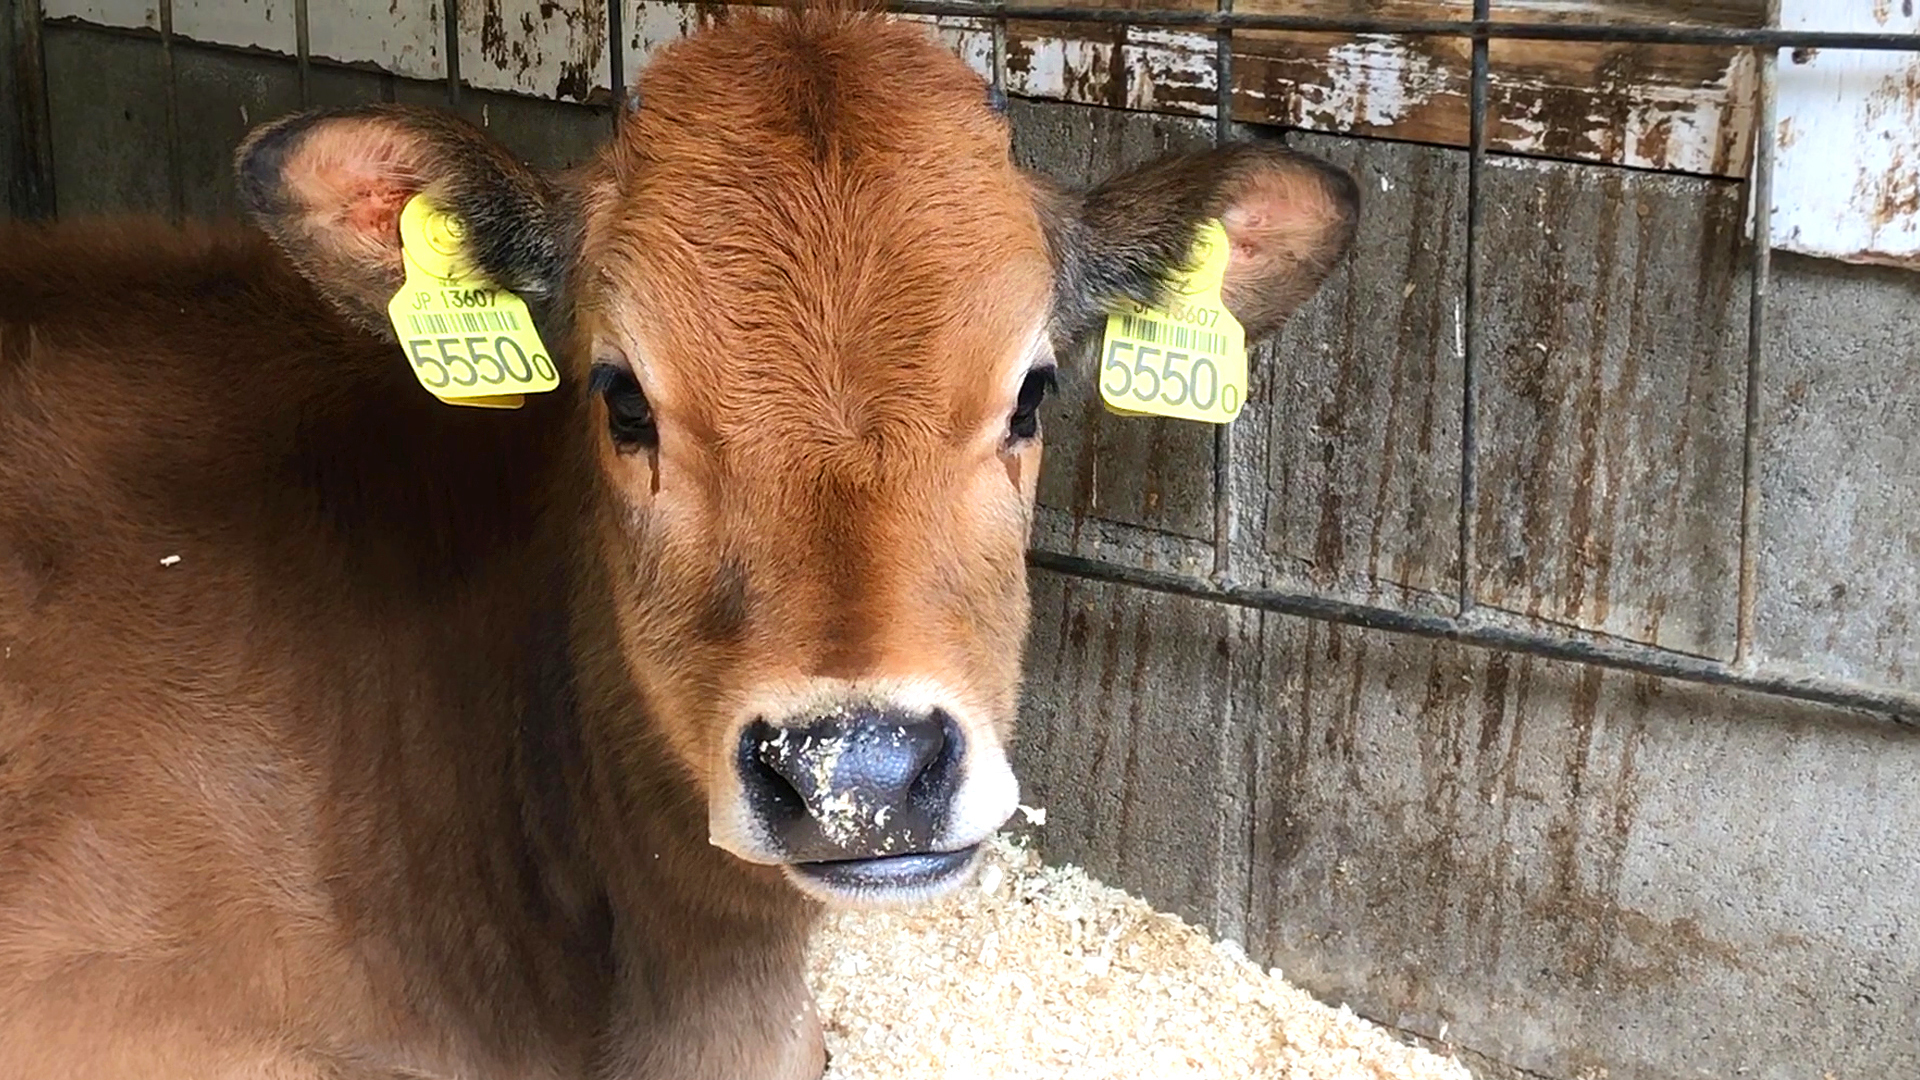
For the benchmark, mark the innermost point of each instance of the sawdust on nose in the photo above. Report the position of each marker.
(1041, 973)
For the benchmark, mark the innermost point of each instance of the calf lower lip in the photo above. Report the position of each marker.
(889, 872)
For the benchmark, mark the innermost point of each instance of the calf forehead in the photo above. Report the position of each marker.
(824, 210)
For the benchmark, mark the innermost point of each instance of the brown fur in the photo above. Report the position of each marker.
(403, 768)
(824, 343)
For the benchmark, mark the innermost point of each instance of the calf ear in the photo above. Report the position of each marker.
(329, 186)
(1288, 217)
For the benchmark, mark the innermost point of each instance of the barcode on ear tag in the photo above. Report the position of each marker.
(1186, 360)
(468, 341)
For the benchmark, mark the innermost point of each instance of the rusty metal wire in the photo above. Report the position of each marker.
(1594, 651)
(1470, 344)
(452, 10)
(1759, 275)
(1224, 510)
(303, 52)
(176, 187)
(30, 190)
(617, 60)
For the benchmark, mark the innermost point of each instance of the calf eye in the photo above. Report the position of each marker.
(1025, 421)
(629, 417)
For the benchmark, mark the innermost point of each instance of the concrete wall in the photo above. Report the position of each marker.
(1563, 871)
(1556, 870)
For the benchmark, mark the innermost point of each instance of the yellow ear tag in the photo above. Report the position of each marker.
(470, 342)
(1187, 360)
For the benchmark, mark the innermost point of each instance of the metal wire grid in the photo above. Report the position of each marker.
(1464, 626)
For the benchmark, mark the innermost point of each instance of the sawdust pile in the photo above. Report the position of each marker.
(1041, 973)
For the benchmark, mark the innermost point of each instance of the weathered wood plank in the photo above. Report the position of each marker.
(1686, 109)
(650, 24)
(1847, 178)
(1595, 12)
(536, 47)
(258, 24)
(401, 37)
(1677, 108)
(1673, 108)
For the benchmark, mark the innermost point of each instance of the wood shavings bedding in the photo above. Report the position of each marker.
(1042, 973)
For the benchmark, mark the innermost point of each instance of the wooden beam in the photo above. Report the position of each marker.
(1678, 108)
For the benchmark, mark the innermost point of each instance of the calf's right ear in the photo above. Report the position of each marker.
(329, 186)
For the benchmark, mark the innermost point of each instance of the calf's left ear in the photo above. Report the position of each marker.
(1288, 217)
(329, 187)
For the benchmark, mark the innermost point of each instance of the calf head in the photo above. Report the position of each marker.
(812, 307)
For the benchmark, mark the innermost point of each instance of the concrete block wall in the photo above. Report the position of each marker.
(1560, 872)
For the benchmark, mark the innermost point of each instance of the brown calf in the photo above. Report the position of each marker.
(347, 734)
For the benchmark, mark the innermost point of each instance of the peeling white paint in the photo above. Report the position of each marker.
(258, 24)
(1846, 178)
(970, 39)
(250, 24)
(404, 37)
(1062, 68)
(1168, 68)
(539, 47)
(651, 24)
(1369, 85)
(1375, 81)
(123, 14)
(1373, 85)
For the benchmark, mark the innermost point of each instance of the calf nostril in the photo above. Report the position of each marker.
(773, 795)
(901, 758)
(933, 780)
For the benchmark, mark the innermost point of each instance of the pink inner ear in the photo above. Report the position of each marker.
(1277, 214)
(353, 179)
(378, 214)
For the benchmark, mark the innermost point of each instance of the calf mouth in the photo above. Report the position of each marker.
(886, 879)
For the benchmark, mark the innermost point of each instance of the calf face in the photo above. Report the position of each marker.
(811, 308)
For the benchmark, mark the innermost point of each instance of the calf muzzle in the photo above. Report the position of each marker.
(852, 785)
